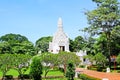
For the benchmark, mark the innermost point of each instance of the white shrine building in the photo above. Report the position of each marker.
(60, 41)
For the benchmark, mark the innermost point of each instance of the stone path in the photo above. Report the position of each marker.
(100, 75)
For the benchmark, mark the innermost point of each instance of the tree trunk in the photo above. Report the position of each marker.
(108, 48)
(64, 68)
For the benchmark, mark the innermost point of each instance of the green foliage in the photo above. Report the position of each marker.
(49, 60)
(102, 20)
(6, 61)
(19, 62)
(77, 44)
(65, 57)
(101, 44)
(42, 44)
(70, 72)
(100, 59)
(15, 43)
(86, 77)
(115, 41)
(104, 17)
(89, 45)
(36, 68)
(71, 45)
(90, 57)
(118, 59)
(11, 38)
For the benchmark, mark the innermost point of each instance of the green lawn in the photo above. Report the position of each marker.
(50, 73)
(61, 79)
(54, 73)
(15, 73)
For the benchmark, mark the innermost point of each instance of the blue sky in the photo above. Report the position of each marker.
(38, 18)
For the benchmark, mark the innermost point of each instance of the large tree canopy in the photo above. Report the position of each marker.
(42, 44)
(16, 43)
(12, 38)
(77, 44)
(103, 19)
(65, 57)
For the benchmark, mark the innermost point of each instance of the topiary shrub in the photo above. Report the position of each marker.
(36, 68)
(70, 72)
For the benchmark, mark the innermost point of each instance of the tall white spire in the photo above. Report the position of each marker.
(60, 41)
(60, 24)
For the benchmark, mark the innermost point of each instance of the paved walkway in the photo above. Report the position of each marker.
(100, 75)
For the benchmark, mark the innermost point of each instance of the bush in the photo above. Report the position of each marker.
(70, 72)
(99, 69)
(36, 68)
(86, 77)
(118, 71)
(52, 77)
(82, 66)
(24, 76)
(104, 70)
(7, 77)
(61, 69)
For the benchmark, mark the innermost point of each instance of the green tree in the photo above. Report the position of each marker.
(49, 60)
(103, 19)
(78, 43)
(65, 57)
(16, 43)
(21, 62)
(90, 57)
(42, 44)
(115, 41)
(118, 59)
(36, 68)
(100, 59)
(100, 45)
(71, 45)
(6, 63)
(5, 47)
(89, 45)
(70, 72)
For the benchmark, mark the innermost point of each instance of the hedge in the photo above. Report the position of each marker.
(86, 77)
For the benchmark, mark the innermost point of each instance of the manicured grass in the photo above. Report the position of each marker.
(50, 73)
(54, 73)
(61, 79)
(15, 73)
(0, 73)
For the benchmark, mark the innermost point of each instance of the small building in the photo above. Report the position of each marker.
(82, 54)
(60, 41)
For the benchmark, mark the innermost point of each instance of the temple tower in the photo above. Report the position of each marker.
(60, 41)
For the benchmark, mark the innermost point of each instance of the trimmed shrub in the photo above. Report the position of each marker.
(86, 77)
(70, 72)
(52, 77)
(8, 77)
(24, 76)
(36, 68)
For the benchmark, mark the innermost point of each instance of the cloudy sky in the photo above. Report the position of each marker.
(38, 18)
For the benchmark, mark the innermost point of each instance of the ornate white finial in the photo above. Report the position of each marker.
(60, 22)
